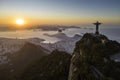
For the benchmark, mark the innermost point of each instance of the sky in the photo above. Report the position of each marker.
(68, 12)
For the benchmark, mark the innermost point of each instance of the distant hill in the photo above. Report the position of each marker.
(66, 44)
(54, 66)
(21, 59)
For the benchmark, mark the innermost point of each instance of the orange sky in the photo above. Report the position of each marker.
(74, 12)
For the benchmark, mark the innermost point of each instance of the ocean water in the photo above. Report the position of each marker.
(111, 33)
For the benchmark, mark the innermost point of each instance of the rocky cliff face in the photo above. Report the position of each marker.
(91, 59)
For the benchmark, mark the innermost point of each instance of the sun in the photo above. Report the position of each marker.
(20, 21)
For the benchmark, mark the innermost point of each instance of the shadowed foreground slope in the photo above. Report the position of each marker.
(54, 66)
(19, 60)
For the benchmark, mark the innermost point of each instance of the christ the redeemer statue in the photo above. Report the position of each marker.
(97, 27)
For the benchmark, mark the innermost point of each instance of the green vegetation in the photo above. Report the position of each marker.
(54, 66)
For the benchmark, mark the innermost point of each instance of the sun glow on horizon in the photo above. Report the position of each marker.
(20, 21)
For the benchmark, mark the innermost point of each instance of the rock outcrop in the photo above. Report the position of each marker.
(91, 59)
